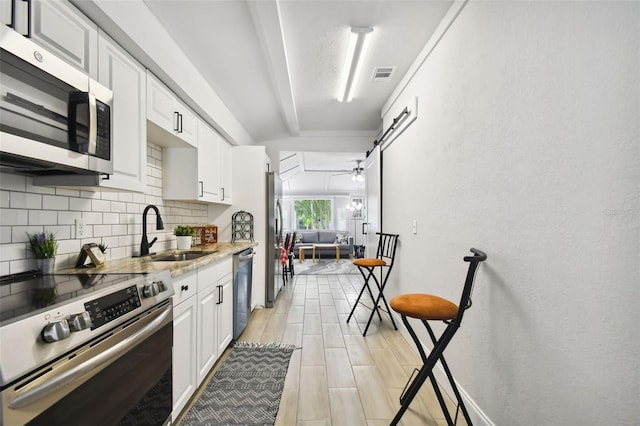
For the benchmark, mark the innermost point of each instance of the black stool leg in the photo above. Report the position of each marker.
(447, 371)
(426, 371)
(365, 286)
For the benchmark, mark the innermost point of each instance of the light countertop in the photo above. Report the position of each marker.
(146, 264)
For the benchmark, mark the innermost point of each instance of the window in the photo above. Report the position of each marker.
(313, 214)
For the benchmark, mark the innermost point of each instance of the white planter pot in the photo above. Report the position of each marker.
(184, 243)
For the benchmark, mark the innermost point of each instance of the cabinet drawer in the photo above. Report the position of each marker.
(184, 287)
(208, 275)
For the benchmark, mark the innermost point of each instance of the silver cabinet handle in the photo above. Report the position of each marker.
(222, 194)
(114, 352)
(176, 125)
(201, 188)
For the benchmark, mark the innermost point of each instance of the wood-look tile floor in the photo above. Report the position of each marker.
(339, 377)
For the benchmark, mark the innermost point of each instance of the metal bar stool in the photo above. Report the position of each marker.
(385, 255)
(426, 307)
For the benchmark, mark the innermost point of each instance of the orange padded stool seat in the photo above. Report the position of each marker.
(424, 306)
(385, 255)
(367, 263)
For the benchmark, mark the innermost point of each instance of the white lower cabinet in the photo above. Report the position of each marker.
(202, 326)
(184, 373)
(206, 345)
(224, 314)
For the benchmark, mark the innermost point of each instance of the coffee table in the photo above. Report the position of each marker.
(315, 246)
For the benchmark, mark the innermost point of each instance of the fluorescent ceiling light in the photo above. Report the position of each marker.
(356, 50)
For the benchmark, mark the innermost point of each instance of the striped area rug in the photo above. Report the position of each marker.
(247, 388)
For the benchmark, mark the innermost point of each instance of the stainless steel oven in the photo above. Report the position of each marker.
(86, 349)
(54, 119)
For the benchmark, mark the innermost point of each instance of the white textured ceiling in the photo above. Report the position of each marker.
(276, 64)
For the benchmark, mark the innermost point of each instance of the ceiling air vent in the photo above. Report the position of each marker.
(382, 73)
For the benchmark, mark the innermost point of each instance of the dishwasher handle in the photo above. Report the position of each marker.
(246, 256)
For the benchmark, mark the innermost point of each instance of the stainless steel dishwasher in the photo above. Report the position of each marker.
(242, 279)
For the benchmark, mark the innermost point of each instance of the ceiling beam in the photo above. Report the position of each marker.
(268, 23)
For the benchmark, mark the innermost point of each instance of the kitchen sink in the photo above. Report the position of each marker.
(177, 257)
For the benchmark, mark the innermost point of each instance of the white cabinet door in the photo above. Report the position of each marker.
(207, 348)
(187, 124)
(122, 74)
(224, 318)
(184, 354)
(168, 113)
(63, 30)
(160, 105)
(208, 160)
(226, 160)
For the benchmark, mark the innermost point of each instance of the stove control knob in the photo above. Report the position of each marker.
(56, 331)
(80, 321)
(150, 290)
(161, 286)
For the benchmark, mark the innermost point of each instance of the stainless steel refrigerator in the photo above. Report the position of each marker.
(273, 278)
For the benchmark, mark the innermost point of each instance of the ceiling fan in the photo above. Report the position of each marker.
(357, 172)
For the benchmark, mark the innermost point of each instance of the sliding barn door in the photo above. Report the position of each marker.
(373, 187)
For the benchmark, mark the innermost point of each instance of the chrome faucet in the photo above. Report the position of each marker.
(145, 244)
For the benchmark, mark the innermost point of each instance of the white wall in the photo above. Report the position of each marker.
(527, 146)
(249, 194)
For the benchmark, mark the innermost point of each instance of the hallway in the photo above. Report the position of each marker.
(339, 377)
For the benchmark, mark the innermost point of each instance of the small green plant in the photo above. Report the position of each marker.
(43, 245)
(184, 231)
(103, 247)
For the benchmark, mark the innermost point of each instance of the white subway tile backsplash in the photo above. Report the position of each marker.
(5, 234)
(92, 217)
(5, 199)
(101, 206)
(11, 217)
(43, 217)
(55, 202)
(68, 218)
(101, 230)
(79, 204)
(118, 207)
(24, 200)
(68, 247)
(120, 229)
(112, 217)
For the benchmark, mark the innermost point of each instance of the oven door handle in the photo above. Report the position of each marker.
(74, 373)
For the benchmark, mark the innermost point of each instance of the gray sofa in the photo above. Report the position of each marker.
(306, 238)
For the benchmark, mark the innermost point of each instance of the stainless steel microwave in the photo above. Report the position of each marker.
(54, 119)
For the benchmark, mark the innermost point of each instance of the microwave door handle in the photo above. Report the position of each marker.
(93, 125)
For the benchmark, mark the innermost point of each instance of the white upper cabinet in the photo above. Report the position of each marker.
(208, 166)
(63, 30)
(171, 122)
(202, 174)
(122, 74)
(226, 161)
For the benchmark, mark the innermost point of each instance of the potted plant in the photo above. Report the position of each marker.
(44, 246)
(184, 235)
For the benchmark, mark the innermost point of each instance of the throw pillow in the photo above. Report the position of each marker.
(298, 238)
(342, 238)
